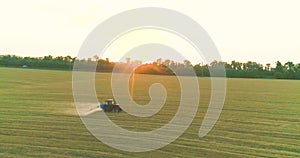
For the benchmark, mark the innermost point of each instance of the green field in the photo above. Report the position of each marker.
(38, 118)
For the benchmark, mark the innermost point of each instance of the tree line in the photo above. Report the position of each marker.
(235, 69)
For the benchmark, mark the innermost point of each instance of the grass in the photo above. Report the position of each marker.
(38, 118)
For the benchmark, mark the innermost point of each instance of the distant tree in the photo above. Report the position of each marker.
(214, 63)
(233, 65)
(187, 63)
(268, 67)
(290, 66)
(239, 65)
(279, 67)
(297, 67)
(278, 75)
(96, 57)
(68, 58)
(167, 62)
(49, 57)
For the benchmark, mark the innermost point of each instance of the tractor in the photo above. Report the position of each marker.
(110, 106)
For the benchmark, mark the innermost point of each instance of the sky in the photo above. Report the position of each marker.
(244, 30)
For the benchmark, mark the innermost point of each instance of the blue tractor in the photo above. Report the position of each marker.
(110, 106)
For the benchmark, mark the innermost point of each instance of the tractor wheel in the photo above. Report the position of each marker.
(117, 109)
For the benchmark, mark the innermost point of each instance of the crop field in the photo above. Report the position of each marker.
(38, 117)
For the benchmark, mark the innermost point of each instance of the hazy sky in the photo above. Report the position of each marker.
(243, 30)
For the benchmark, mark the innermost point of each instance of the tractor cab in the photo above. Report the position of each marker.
(109, 102)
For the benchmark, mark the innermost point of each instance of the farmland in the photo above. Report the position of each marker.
(38, 118)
